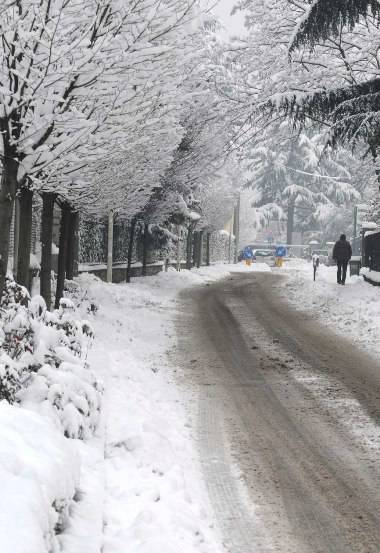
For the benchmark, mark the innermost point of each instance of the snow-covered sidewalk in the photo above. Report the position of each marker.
(352, 310)
(153, 499)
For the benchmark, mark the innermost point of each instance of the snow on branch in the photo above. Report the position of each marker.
(325, 18)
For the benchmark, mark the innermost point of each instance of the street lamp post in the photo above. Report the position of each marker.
(355, 221)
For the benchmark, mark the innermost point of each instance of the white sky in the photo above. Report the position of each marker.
(234, 24)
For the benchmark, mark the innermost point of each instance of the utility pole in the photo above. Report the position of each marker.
(290, 224)
(355, 221)
(230, 239)
(237, 228)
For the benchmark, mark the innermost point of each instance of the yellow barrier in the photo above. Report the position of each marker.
(279, 261)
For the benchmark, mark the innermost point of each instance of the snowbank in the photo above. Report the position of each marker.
(39, 474)
(353, 309)
(256, 266)
(373, 276)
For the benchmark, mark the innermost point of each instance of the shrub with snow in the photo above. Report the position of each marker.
(43, 362)
(9, 378)
(78, 290)
(47, 391)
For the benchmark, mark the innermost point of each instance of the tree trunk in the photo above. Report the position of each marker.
(290, 224)
(130, 249)
(62, 256)
(189, 247)
(179, 248)
(110, 246)
(76, 221)
(72, 246)
(46, 244)
(195, 248)
(200, 248)
(208, 249)
(25, 236)
(8, 189)
(16, 235)
(145, 249)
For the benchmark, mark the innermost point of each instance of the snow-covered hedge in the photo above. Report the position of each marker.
(221, 247)
(47, 394)
(43, 362)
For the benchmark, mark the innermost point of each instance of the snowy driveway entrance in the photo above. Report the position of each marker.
(287, 421)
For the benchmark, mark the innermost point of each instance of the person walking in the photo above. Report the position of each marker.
(342, 253)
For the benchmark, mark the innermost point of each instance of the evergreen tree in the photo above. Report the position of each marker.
(349, 105)
(325, 18)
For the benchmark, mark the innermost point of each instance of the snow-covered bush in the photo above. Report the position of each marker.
(43, 362)
(13, 293)
(69, 394)
(78, 291)
(9, 378)
(16, 337)
(47, 394)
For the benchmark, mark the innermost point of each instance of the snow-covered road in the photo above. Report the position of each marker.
(287, 415)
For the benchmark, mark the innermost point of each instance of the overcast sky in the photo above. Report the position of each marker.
(234, 24)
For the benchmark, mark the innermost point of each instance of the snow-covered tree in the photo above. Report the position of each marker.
(257, 77)
(339, 43)
(50, 52)
(292, 180)
(76, 79)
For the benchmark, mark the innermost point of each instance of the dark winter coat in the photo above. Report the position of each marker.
(342, 251)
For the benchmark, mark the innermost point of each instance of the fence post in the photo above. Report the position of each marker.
(62, 256)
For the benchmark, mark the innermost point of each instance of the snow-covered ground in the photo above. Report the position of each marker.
(140, 488)
(352, 310)
(141, 485)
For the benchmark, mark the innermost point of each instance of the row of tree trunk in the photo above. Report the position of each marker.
(69, 245)
(68, 248)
